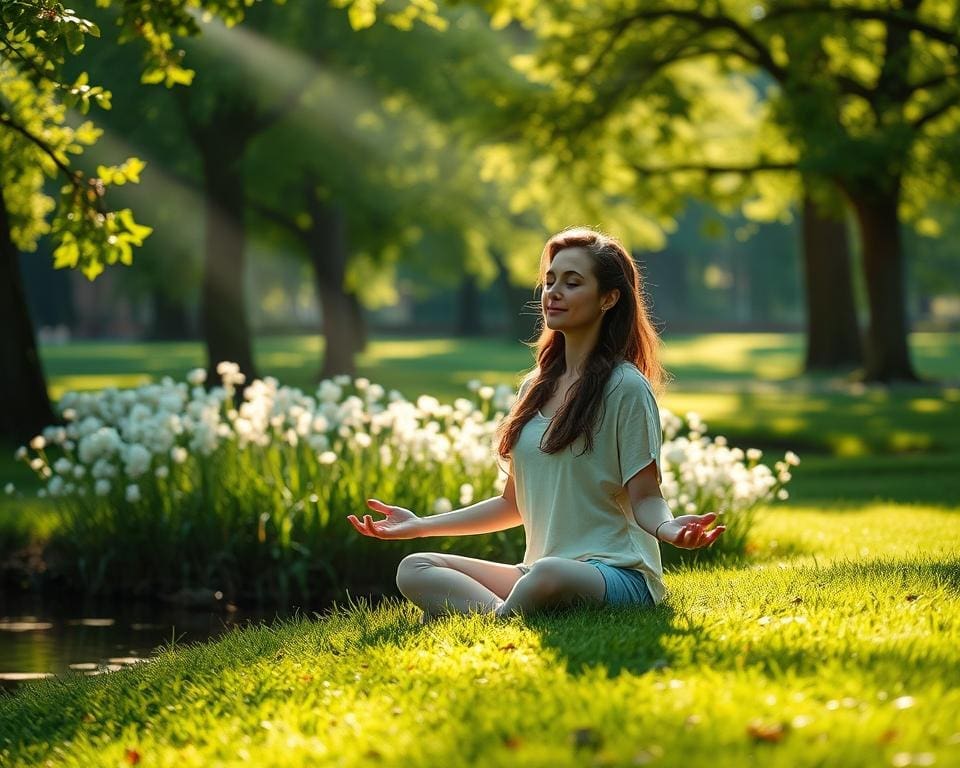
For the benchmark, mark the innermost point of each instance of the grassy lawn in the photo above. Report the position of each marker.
(833, 643)
(836, 646)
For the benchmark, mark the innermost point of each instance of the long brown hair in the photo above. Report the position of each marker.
(626, 334)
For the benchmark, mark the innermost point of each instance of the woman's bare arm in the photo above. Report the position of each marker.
(497, 513)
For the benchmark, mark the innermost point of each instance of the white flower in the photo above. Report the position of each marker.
(791, 458)
(341, 380)
(198, 376)
(474, 384)
(163, 471)
(466, 494)
(754, 454)
(178, 454)
(55, 486)
(133, 493)
(485, 393)
(361, 383)
(62, 465)
(70, 414)
(374, 393)
(327, 457)
(38, 443)
(136, 460)
(21, 454)
(782, 494)
(102, 487)
(442, 505)
(79, 471)
(363, 439)
(9, 489)
(37, 464)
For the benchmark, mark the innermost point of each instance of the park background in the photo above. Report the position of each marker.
(360, 192)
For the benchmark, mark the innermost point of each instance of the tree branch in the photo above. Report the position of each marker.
(935, 80)
(868, 14)
(74, 176)
(945, 106)
(713, 170)
(763, 56)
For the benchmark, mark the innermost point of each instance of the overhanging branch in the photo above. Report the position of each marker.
(945, 106)
(712, 169)
(763, 56)
(893, 17)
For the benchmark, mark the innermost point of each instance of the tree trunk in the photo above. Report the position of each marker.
(469, 311)
(359, 324)
(223, 308)
(887, 353)
(23, 389)
(522, 307)
(170, 320)
(339, 310)
(833, 335)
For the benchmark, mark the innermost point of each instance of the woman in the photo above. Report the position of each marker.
(581, 447)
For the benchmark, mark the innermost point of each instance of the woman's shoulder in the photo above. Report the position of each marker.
(627, 376)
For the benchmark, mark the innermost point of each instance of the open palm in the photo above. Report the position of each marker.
(399, 523)
(690, 531)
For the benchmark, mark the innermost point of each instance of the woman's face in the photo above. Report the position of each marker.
(571, 298)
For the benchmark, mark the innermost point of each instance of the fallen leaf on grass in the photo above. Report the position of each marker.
(132, 757)
(512, 742)
(887, 736)
(770, 732)
(507, 647)
(911, 598)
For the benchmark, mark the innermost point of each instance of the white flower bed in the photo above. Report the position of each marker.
(115, 441)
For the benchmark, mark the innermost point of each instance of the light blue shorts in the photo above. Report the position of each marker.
(625, 586)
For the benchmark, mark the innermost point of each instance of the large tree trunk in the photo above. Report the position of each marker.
(469, 311)
(339, 310)
(23, 390)
(887, 353)
(223, 307)
(361, 329)
(833, 335)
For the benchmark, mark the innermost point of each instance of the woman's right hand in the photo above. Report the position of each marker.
(400, 523)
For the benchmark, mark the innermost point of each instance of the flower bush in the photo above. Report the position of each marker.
(172, 485)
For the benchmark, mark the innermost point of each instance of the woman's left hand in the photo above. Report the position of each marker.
(690, 531)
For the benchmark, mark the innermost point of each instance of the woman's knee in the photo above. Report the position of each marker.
(413, 566)
(560, 577)
(549, 575)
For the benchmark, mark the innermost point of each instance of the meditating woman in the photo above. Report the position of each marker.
(581, 447)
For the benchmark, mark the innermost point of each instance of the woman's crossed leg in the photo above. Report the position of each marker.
(440, 583)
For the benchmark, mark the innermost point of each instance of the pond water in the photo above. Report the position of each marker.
(42, 638)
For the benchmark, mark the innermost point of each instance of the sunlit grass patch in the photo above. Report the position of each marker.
(842, 660)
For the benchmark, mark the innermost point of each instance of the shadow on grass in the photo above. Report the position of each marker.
(641, 640)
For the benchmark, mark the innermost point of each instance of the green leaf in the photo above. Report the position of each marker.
(66, 255)
(74, 38)
(91, 270)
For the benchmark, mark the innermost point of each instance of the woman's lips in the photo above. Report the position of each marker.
(552, 311)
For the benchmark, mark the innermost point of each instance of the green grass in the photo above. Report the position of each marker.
(833, 642)
(835, 645)
(401, 362)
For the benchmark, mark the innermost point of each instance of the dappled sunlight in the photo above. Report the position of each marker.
(857, 531)
(411, 349)
(759, 355)
(58, 385)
